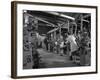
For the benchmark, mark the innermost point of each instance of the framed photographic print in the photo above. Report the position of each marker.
(50, 39)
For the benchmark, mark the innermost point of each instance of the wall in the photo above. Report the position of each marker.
(5, 40)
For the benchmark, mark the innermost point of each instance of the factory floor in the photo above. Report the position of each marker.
(53, 60)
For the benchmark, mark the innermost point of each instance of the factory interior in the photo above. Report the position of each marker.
(56, 39)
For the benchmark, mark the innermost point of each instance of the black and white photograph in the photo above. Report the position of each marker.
(56, 39)
(53, 39)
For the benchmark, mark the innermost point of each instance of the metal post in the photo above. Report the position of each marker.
(68, 25)
(81, 22)
(72, 29)
(75, 28)
(36, 23)
(58, 48)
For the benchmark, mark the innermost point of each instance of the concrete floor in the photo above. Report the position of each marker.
(52, 60)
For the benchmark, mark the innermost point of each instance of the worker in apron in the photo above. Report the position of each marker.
(73, 45)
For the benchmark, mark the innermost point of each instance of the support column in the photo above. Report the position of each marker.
(36, 23)
(58, 46)
(81, 22)
(68, 26)
(75, 29)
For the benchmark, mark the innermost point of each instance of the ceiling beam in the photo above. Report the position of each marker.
(40, 19)
(86, 16)
(61, 15)
(53, 30)
(85, 20)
